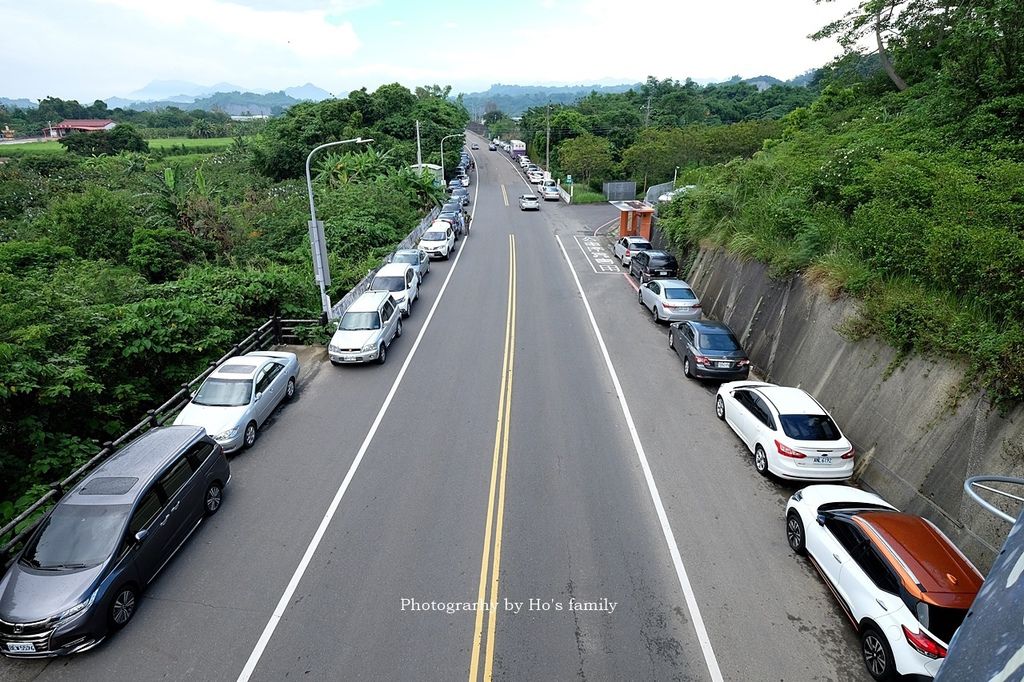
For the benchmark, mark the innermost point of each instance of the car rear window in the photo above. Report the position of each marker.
(940, 621)
(718, 342)
(659, 259)
(809, 426)
(681, 294)
(640, 246)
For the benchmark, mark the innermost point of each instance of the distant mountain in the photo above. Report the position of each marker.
(174, 90)
(765, 82)
(515, 99)
(17, 103)
(307, 92)
(231, 103)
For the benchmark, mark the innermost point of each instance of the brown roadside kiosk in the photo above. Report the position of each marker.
(634, 218)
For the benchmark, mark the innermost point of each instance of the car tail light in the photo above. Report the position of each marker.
(848, 454)
(669, 305)
(787, 451)
(695, 305)
(627, 252)
(742, 363)
(701, 360)
(925, 644)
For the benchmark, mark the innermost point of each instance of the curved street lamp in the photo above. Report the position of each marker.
(316, 233)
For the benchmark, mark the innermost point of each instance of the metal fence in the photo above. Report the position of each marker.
(339, 308)
(655, 191)
(273, 331)
(619, 191)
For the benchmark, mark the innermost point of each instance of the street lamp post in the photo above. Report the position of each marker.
(316, 233)
(443, 178)
(674, 176)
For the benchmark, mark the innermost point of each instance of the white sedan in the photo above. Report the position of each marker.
(904, 585)
(627, 246)
(535, 177)
(790, 434)
(669, 300)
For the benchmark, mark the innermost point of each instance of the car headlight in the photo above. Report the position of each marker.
(368, 347)
(77, 609)
(227, 435)
(333, 349)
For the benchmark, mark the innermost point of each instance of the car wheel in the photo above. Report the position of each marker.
(639, 297)
(382, 356)
(655, 315)
(212, 499)
(795, 533)
(407, 310)
(686, 369)
(671, 340)
(289, 390)
(720, 408)
(877, 655)
(761, 461)
(122, 608)
(398, 329)
(250, 435)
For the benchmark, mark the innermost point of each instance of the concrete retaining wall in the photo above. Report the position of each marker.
(915, 444)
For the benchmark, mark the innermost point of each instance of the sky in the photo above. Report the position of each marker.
(94, 49)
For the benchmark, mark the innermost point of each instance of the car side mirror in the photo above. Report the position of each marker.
(820, 519)
(142, 535)
(258, 396)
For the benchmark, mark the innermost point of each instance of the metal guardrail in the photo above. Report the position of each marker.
(974, 482)
(275, 329)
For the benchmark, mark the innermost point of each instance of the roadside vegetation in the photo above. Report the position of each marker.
(122, 275)
(905, 190)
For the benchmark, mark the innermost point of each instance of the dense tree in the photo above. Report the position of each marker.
(585, 156)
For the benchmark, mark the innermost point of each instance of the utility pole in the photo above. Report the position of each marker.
(647, 115)
(547, 149)
(419, 153)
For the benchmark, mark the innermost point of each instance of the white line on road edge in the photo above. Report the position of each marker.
(673, 548)
(604, 225)
(300, 570)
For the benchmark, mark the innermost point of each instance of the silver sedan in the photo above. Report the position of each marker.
(669, 300)
(417, 258)
(240, 395)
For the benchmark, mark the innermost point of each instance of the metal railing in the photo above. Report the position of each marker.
(974, 482)
(273, 331)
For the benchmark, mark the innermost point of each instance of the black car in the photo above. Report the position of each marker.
(453, 204)
(82, 571)
(708, 351)
(648, 265)
(456, 219)
(462, 194)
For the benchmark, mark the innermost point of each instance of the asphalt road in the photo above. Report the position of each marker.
(504, 469)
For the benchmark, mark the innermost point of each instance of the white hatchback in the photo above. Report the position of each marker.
(789, 432)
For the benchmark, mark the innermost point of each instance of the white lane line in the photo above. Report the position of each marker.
(307, 557)
(604, 225)
(519, 173)
(677, 560)
(585, 254)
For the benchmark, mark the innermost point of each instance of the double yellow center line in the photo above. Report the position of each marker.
(491, 560)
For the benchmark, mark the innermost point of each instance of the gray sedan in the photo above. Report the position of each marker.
(417, 258)
(670, 300)
(240, 395)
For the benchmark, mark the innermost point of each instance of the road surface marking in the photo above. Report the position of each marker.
(604, 225)
(504, 194)
(677, 560)
(597, 256)
(307, 557)
(629, 281)
(499, 467)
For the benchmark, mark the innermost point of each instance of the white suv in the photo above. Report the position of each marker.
(403, 283)
(438, 241)
(366, 330)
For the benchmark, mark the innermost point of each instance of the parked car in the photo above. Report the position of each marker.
(366, 330)
(524, 161)
(83, 570)
(708, 350)
(550, 193)
(905, 586)
(531, 167)
(240, 395)
(438, 242)
(401, 280)
(464, 179)
(454, 205)
(417, 258)
(789, 432)
(455, 183)
(625, 247)
(670, 300)
(462, 194)
(454, 218)
(475, 146)
(535, 177)
(529, 202)
(647, 265)
(672, 194)
(492, 147)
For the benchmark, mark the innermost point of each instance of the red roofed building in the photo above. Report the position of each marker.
(78, 125)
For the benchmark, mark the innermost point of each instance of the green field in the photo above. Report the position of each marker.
(54, 147)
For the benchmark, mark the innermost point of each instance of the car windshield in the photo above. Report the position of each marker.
(809, 426)
(679, 294)
(718, 342)
(410, 258)
(224, 392)
(358, 321)
(433, 236)
(388, 284)
(529, 198)
(77, 536)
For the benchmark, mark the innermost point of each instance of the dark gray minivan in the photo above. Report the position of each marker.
(81, 572)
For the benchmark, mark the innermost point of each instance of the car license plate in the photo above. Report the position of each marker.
(662, 272)
(21, 647)
(723, 364)
(822, 460)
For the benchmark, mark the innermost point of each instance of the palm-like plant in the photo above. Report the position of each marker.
(336, 169)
